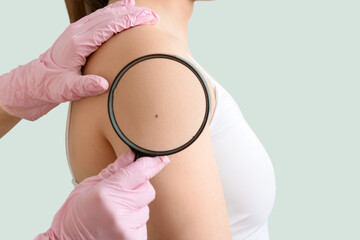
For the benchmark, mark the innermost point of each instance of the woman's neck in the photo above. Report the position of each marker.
(174, 16)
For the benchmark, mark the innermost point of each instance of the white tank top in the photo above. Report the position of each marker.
(246, 171)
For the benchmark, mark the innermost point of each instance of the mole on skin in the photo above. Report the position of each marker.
(156, 115)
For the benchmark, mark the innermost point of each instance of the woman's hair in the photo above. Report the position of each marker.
(80, 8)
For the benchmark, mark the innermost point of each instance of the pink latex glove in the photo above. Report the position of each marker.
(110, 206)
(32, 90)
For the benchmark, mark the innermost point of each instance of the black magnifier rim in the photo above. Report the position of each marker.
(133, 146)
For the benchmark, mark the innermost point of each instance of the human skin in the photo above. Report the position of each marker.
(189, 200)
(7, 122)
(175, 16)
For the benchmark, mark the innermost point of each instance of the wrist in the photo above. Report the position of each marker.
(7, 122)
(6, 117)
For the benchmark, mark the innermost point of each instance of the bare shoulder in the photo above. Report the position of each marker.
(132, 43)
(136, 42)
(189, 201)
(125, 47)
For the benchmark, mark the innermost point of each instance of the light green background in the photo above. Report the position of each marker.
(293, 68)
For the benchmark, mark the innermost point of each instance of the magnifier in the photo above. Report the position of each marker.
(124, 124)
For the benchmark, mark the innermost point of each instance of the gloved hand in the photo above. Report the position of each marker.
(32, 90)
(110, 206)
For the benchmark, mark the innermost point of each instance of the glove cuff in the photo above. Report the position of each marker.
(48, 235)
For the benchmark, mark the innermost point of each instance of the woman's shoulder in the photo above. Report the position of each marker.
(129, 44)
(88, 145)
(89, 126)
(126, 46)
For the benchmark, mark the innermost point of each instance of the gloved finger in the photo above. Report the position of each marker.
(141, 232)
(122, 161)
(74, 87)
(136, 198)
(107, 15)
(94, 16)
(138, 231)
(145, 194)
(94, 85)
(140, 217)
(110, 26)
(138, 172)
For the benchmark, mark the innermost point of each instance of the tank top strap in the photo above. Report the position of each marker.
(212, 80)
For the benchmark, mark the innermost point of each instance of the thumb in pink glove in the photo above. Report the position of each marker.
(32, 90)
(111, 205)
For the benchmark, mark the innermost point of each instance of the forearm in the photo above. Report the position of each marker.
(7, 122)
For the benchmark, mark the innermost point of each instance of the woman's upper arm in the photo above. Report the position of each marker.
(189, 202)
